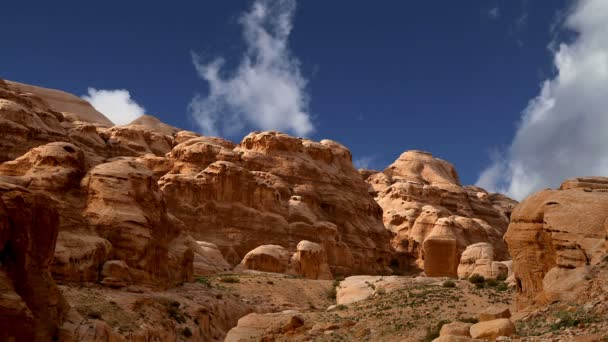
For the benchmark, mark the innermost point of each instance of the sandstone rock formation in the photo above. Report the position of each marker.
(491, 330)
(555, 235)
(31, 306)
(478, 258)
(276, 189)
(433, 218)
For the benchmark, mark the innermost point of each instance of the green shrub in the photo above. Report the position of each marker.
(477, 279)
(472, 320)
(479, 285)
(231, 280)
(331, 293)
(492, 282)
(502, 287)
(203, 281)
(501, 277)
(449, 283)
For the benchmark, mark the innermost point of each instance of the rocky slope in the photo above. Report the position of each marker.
(433, 217)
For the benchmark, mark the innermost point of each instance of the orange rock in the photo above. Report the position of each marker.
(554, 235)
(433, 218)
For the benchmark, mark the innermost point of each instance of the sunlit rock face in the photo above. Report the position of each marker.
(273, 188)
(434, 218)
(555, 236)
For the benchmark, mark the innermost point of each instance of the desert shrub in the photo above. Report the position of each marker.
(203, 281)
(381, 291)
(472, 320)
(477, 279)
(331, 293)
(479, 285)
(502, 287)
(492, 282)
(231, 280)
(449, 283)
(341, 307)
(501, 277)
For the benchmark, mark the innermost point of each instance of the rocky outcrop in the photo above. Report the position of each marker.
(478, 258)
(554, 236)
(310, 261)
(31, 306)
(433, 218)
(276, 189)
(267, 258)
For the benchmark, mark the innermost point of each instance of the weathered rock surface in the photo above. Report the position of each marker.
(255, 326)
(310, 261)
(478, 258)
(554, 236)
(267, 258)
(276, 189)
(433, 218)
(491, 330)
(31, 306)
(456, 329)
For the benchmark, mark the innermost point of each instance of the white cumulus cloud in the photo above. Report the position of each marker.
(116, 104)
(266, 91)
(563, 132)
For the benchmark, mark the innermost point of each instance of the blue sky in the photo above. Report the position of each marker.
(447, 77)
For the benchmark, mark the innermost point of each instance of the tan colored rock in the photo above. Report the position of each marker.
(79, 257)
(493, 313)
(478, 258)
(116, 269)
(433, 218)
(493, 329)
(310, 261)
(60, 101)
(256, 326)
(357, 288)
(208, 259)
(125, 207)
(554, 235)
(452, 338)
(456, 329)
(276, 189)
(152, 123)
(267, 258)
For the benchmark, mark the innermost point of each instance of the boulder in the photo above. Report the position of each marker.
(493, 313)
(79, 257)
(491, 330)
(261, 326)
(479, 259)
(310, 261)
(267, 258)
(455, 329)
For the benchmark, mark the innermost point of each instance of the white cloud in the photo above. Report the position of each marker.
(563, 132)
(494, 13)
(363, 162)
(267, 90)
(115, 104)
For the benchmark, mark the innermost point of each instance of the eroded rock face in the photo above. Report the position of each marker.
(479, 259)
(276, 189)
(555, 235)
(433, 218)
(31, 306)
